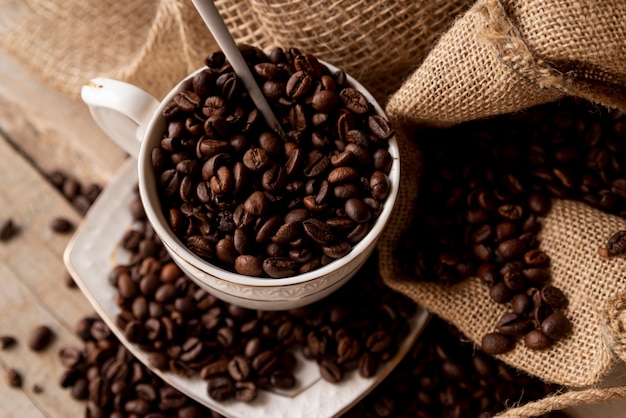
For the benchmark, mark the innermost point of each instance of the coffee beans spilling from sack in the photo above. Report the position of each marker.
(445, 376)
(485, 189)
(240, 197)
(239, 351)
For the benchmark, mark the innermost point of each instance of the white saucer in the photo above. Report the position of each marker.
(94, 250)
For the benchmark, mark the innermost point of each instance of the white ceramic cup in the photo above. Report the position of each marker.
(133, 119)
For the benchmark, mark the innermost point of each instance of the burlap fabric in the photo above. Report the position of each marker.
(443, 62)
(508, 55)
(502, 57)
(154, 44)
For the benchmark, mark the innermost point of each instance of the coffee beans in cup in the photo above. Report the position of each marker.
(243, 198)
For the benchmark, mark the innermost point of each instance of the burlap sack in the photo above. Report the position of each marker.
(154, 44)
(498, 58)
(504, 56)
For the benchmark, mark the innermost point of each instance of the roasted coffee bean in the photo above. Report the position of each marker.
(8, 229)
(497, 343)
(357, 210)
(330, 371)
(13, 378)
(299, 84)
(536, 340)
(279, 267)
(249, 265)
(616, 244)
(556, 326)
(220, 388)
(554, 297)
(239, 368)
(354, 100)
(61, 225)
(40, 338)
(318, 231)
(7, 341)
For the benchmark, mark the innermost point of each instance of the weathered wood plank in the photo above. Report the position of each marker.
(20, 312)
(35, 254)
(52, 129)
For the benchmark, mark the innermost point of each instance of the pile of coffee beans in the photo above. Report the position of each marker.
(445, 376)
(114, 384)
(240, 351)
(442, 376)
(485, 189)
(241, 197)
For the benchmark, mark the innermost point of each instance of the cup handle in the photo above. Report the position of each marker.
(120, 109)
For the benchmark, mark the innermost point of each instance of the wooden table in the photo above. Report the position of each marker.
(40, 131)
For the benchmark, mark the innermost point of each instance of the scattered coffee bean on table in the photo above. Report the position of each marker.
(40, 337)
(8, 229)
(7, 341)
(79, 193)
(14, 378)
(240, 197)
(485, 189)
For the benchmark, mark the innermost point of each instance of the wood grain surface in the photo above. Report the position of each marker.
(40, 131)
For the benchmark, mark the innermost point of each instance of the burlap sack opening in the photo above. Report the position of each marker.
(498, 58)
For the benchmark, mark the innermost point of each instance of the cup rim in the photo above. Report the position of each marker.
(150, 201)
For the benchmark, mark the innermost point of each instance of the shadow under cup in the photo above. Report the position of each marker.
(258, 292)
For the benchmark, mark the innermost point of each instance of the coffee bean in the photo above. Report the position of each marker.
(357, 210)
(556, 326)
(354, 100)
(7, 341)
(61, 225)
(278, 267)
(40, 337)
(13, 378)
(330, 371)
(220, 388)
(537, 340)
(554, 297)
(8, 229)
(616, 244)
(495, 343)
(249, 265)
(513, 325)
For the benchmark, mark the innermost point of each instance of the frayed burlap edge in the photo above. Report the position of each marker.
(573, 78)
